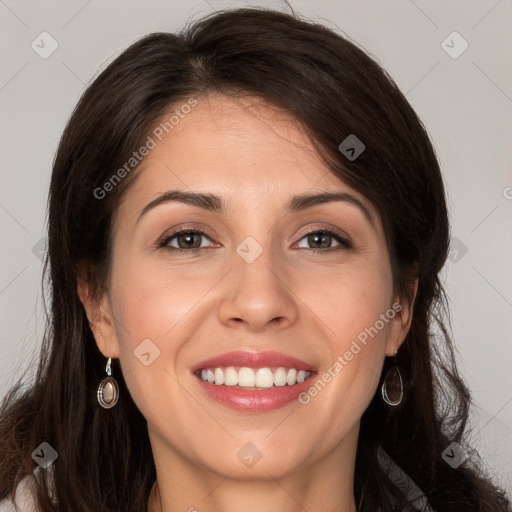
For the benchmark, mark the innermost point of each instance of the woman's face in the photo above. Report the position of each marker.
(261, 285)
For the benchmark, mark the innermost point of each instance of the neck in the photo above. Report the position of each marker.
(325, 485)
(250, 500)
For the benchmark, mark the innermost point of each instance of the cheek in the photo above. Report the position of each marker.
(150, 301)
(351, 301)
(153, 311)
(356, 311)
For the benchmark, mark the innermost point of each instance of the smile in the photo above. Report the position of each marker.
(251, 381)
(254, 378)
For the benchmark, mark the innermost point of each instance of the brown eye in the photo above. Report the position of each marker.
(319, 240)
(185, 240)
(323, 240)
(189, 240)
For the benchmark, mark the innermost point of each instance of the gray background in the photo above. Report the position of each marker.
(465, 103)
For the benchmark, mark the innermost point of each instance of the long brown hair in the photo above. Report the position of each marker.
(334, 89)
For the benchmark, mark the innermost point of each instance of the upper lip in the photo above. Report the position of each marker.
(253, 359)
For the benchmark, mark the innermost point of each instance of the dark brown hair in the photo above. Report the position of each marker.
(334, 89)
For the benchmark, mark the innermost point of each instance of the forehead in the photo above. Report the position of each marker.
(245, 150)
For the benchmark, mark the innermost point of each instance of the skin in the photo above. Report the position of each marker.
(193, 306)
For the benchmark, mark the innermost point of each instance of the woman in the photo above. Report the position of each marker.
(246, 226)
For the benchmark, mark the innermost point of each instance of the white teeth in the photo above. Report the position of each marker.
(219, 376)
(301, 376)
(280, 377)
(246, 377)
(230, 376)
(254, 377)
(264, 378)
(291, 377)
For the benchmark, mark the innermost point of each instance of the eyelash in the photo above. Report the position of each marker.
(344, 242)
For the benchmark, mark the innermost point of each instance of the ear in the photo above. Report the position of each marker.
(100, 316)
(400, 324)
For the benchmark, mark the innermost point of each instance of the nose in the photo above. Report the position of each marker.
(257, 295)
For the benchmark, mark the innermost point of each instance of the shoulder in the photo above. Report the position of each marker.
(404, 482)
(25, 500)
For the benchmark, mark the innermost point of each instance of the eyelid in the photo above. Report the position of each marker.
(342, 238)
(202, 231)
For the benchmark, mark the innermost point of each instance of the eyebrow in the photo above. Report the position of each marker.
(216, 204)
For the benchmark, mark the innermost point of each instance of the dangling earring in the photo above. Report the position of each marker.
(108, 390)
(392, 387)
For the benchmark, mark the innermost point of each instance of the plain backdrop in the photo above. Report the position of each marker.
(463, 95)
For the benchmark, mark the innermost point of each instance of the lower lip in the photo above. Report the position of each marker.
(258, 401)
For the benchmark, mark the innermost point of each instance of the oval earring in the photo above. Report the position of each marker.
(108, 390)
(392, 387)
